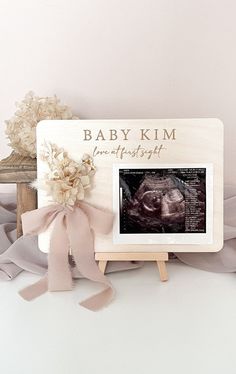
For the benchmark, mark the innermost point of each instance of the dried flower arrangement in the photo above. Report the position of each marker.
(67, 179)
(21, 128)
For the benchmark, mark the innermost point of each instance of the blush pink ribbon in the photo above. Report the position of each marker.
(72, 233)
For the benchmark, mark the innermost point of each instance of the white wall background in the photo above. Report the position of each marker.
(123, 59)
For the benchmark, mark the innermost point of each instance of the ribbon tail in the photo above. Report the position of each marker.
(98, 301)
(59, 273)
(59, 276)
(82, 246)
(35, 290)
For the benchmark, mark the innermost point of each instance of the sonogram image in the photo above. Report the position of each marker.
(162, 200)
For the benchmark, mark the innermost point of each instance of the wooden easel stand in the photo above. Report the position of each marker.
(160, 258)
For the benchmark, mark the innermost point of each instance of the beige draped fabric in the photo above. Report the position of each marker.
(23, 253)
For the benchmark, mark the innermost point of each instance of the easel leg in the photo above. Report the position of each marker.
(162, 270)
(160, 258)
(26, 200)
(102, 266)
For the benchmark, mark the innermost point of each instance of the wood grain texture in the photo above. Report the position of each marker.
(197, 141)
(26, 201)
(131, 256)
(102, 266)
(162, 270)
(17, 169)
(159, 258)
(20, 170)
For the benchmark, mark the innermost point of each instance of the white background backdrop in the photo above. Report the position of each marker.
(123, 59)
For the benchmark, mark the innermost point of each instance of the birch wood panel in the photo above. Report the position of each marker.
(197, 141)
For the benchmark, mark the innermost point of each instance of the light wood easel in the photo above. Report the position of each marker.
(159, 258)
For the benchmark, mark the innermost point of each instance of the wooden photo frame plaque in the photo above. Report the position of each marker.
(163, 179)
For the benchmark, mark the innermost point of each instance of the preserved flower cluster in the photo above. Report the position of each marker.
(66, 180)
(21, 128)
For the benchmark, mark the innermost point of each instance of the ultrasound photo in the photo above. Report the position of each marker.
(171, 200)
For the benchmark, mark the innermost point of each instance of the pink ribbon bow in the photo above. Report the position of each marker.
(72, 231)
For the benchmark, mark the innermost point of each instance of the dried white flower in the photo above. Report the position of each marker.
(21, 128)
(66, 180)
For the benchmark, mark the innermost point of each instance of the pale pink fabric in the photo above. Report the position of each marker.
(24, 254)
(73, 230)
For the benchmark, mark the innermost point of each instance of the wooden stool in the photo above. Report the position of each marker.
(20, 170)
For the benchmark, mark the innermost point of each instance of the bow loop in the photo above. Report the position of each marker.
(37, 221)
(99, 220)
(71, 230)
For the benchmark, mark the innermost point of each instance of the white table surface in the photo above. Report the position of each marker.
(186, 325)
